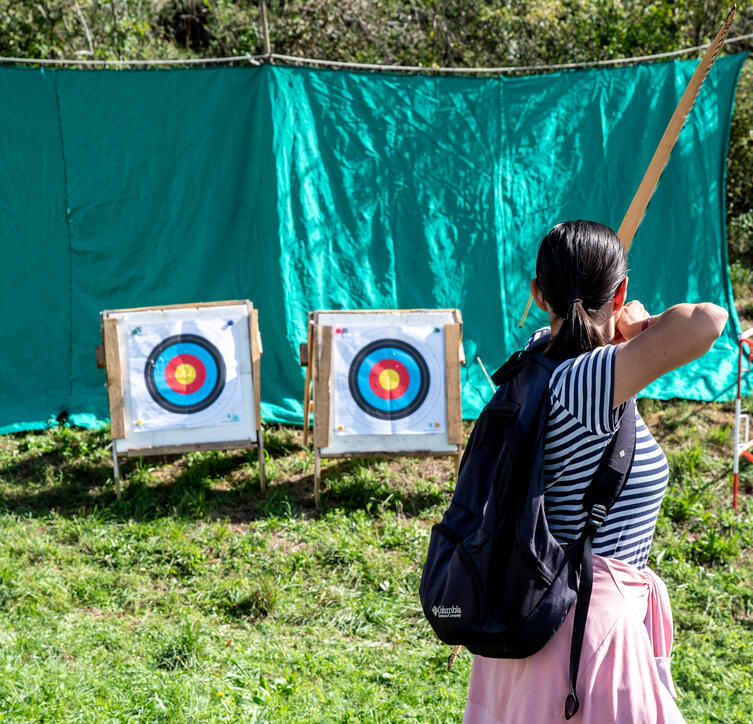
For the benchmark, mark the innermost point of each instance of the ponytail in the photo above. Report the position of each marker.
(579, 268)
(577, 334)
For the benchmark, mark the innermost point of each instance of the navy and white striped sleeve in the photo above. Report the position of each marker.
(585, 387)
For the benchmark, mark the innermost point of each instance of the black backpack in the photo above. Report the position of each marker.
(495, 580)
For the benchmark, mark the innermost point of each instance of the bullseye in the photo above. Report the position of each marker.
(389, 379)
(185, 373)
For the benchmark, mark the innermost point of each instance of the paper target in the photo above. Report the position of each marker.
(185, 373)
(389, 380)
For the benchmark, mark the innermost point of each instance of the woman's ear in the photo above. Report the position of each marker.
(538, 297)
(621, 295)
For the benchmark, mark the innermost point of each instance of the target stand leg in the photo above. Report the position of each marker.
(262, 476)
(116, 472)
(317, 476)
(458, 458)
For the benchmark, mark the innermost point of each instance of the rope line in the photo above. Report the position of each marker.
(253, 59)
(293, 59)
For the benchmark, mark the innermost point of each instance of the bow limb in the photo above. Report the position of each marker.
(640, 201)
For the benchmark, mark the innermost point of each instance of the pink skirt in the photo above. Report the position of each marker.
(624, 672)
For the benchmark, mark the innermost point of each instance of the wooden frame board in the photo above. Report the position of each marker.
(128, 442)
(318, 391)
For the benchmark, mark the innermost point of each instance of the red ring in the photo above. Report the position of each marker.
(403, 375)
(185, 359)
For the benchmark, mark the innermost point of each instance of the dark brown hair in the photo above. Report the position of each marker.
(579, 267)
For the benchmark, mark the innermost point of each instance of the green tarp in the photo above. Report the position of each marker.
(306, 189)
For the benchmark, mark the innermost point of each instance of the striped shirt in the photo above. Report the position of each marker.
(581, 423)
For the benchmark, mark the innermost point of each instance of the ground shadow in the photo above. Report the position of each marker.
(72, 478)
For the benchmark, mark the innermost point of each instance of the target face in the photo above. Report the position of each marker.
(389, 379)
(185, 373)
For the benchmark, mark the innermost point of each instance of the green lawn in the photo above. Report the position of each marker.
(196, 598)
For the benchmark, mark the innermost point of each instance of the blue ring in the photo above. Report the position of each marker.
(372, 404)
(414, 379)
(163, 394)
(160, 369)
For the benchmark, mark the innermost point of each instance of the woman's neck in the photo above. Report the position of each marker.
(604, 322)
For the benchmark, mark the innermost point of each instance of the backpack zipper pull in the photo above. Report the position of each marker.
(453, 656)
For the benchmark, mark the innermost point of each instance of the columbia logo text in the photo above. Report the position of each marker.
(446, 611)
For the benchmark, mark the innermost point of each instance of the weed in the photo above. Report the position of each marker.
(715, 547)
(181, 651)
(720, 436)
(741, 277)
(684, 463)
(244, 599)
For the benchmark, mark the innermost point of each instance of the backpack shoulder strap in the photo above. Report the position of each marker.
(600, 496)
(519, 360)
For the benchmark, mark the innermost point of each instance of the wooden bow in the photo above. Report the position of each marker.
(640, 201)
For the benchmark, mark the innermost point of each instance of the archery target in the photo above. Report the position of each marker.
(184, 373)
(389, 380)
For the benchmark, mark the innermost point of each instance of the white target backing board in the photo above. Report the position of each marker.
(388, 380)
(388, 389)
(182, 376)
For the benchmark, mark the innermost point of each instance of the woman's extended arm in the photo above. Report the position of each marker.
(674, 338)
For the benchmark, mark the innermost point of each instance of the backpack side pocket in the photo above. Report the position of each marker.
(454, 604)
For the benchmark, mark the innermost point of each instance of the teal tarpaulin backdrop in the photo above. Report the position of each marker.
(307, 189)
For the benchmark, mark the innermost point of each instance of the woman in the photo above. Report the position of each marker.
(610, 350)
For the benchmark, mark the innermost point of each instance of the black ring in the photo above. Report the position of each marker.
(367, 407)
(207, 346)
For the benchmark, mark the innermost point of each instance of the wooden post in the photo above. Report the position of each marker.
(116, 471)
(254, 339)
(310, 344)
(452, 380)
(256, 352)
(322, 385)
(114, 376)
(317, 475)
(265, 29)
(262, 474)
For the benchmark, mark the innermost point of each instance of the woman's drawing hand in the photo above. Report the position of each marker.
(631, 321)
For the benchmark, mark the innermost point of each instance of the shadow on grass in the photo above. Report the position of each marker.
(73, 477)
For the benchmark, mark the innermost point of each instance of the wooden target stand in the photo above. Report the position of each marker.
(316, 357)
(112, 356)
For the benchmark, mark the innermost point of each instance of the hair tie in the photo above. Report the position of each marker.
(576, 300)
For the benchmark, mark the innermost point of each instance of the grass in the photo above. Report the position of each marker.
(741, 277)
(196, 598)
